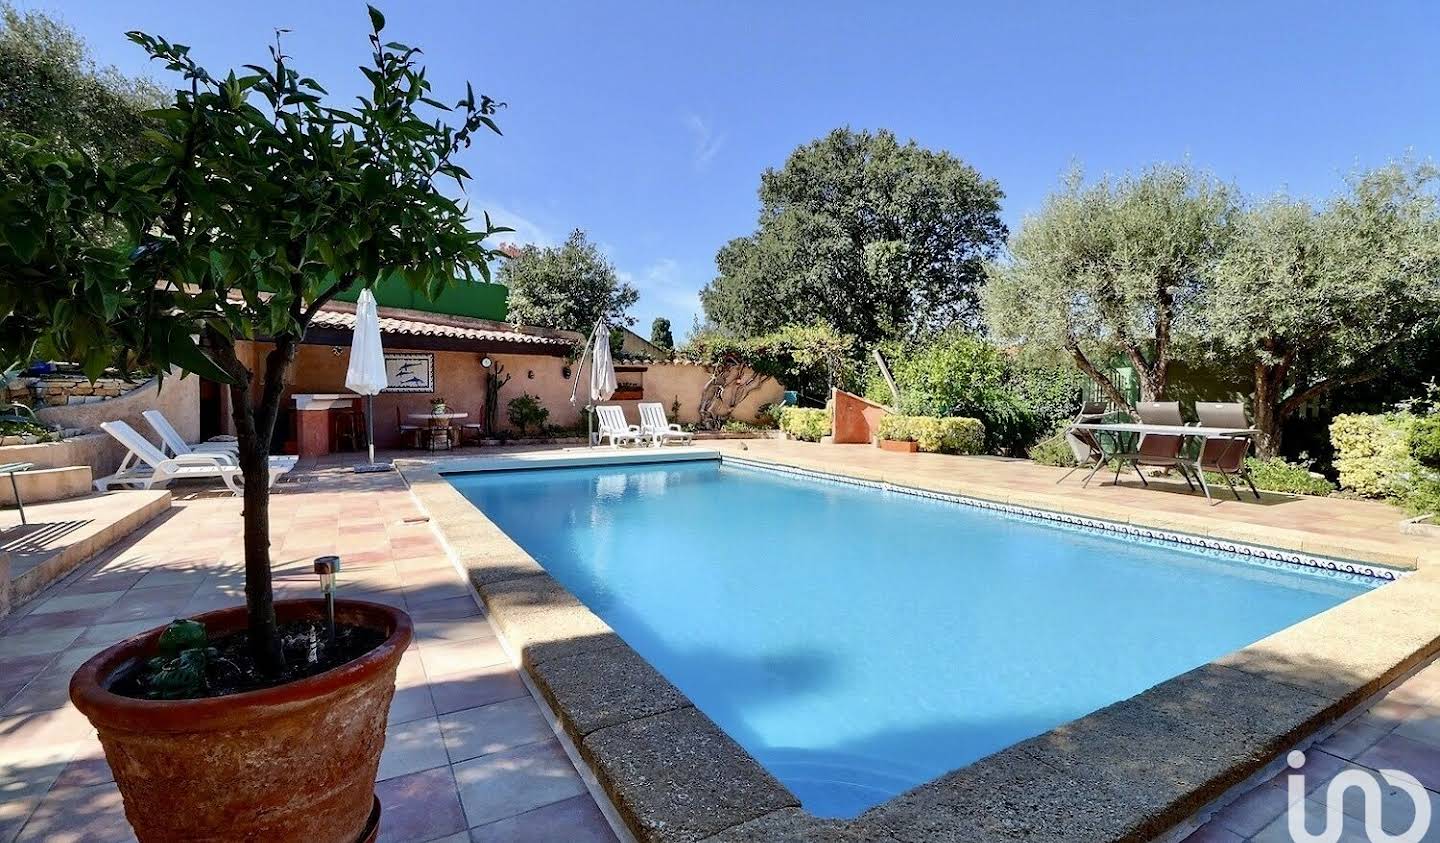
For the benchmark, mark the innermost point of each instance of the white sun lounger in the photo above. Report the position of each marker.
(171, 442)
(147, 467)
(655, 426)
(611, 419)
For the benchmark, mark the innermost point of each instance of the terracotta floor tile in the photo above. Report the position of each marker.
(67, 601)
(1420, 760)
(412, 747)
(1353, 739)
(473, 732)
(1212, 833)
(575, 820)
(20, 645)
(465, 658)
(78, 815)
(452, 608)
(1253, 811)
(482, 685)
(504, 784)
(419, 806)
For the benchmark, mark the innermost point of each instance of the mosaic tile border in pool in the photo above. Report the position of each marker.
(1269, 556)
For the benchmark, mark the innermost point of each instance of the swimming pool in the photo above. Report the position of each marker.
(859, 642)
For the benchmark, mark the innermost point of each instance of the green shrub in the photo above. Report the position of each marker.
(1054, 450)
(1277, 475)
(526, 412)
(805, 423)
(957, 373)
(1423, 496)
(1372, 453)
(945, 436)
(1425, 441)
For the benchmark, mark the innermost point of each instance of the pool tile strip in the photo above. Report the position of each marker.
(1276, 557)
(1127, 772)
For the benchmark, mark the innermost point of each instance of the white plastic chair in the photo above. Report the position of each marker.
(147, 467)
(611, 419)
(657, 427)
(171, 442)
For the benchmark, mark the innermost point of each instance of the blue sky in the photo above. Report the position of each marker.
(648, 124)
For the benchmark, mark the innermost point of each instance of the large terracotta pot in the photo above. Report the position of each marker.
(292, 763)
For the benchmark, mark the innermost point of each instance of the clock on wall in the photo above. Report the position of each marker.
(486, 361)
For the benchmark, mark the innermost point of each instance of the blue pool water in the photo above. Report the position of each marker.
(858, 642)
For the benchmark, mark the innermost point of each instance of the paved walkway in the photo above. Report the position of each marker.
(468, 755)
(1326, 526)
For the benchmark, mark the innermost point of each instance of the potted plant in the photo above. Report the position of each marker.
(260, 203)
(897, 433)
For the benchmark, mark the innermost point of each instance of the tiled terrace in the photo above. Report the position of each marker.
(469, 755)
(1325, 526)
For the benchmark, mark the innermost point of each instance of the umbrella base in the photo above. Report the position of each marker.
(373, 467)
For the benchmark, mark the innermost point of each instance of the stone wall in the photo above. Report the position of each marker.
(60, 390)
(178, 398)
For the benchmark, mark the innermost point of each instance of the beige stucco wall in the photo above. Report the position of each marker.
(459, 379)
(178, 398)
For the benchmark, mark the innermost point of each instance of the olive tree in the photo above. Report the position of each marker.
(261, 204)
(1112, 267)
(51, 88)
(1309, 300)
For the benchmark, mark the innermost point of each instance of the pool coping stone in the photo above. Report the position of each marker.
(674, 775)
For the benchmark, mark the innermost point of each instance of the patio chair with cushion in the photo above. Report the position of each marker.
(611, 418)
(657, 427)
(1157, 450)
(1225, 455)
(406, 429)
(1084, 444)
(172, 443)
(147, 467)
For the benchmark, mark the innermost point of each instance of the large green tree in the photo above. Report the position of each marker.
(51, 88)
(1112, 269)
(1309, 300)
(261, 203)
(876, 238)
(567, 286)
(661, 335)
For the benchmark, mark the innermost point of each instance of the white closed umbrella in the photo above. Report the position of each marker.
(602, 372)
(366, 372)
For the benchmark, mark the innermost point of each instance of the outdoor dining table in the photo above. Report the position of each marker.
(1185, 431)
(437, 426)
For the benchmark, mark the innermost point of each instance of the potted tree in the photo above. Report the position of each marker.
(260, 204)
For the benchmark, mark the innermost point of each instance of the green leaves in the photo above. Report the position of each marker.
(180, 670)
(181, 634)
(377, 20)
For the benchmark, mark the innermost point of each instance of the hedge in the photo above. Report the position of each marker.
(946, 436)
(1372, 453)
(805, 423)
(1425, 441)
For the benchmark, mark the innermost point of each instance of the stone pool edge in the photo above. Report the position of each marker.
(1130, 771)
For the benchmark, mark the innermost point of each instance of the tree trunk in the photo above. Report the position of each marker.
(1267, 414)
(1083, 362)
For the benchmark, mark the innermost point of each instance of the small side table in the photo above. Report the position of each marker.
(13, 468)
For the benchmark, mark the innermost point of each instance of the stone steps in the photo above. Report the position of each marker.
(62, 535)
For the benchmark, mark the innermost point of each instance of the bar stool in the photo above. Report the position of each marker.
(345, 429)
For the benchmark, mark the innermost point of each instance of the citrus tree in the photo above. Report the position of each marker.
(261, 204)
